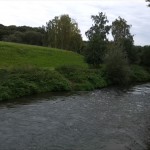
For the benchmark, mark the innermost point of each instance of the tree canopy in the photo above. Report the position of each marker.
(22, 34)
(122, 36)
(121, 30)
(97, 36)
(63, 32)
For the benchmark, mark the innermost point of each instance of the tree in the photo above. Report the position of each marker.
(15, 37)
(33, 38)
(52, 32)
(145, 58)
(121, 30)
(22, 34)
(3, 31)
(97, 36)
(63, 32)
(122, 36)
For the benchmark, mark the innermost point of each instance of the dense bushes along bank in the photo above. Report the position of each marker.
(20, 82)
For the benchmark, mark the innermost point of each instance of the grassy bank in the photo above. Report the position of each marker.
(20, 82)
(27, 70)
(13, 55)
(27, 81)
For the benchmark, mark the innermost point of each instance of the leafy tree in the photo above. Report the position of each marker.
(97, 36)
(22, 34)
(33, 38)
(145, 57)
(15, 37)
(52, 32)
(65, 27)
(62, 32)
(121, 30)
(3, 31)
(135, 56)
(122, 36)
(76, 43)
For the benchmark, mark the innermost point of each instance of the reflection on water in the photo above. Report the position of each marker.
(140, 89)
(107, 119)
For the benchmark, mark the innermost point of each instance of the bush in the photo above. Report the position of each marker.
(139, 74)
(26, 81)
(21, 82)
(146, 56)
(117, 68)
(83, 79)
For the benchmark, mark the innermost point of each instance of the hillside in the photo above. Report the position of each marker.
(27, 70)
(20, 55)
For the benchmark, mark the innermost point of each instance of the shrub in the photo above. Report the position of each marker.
(139, 74)
(117, 68)
(83, 79)
(21, 82)
(146, 56)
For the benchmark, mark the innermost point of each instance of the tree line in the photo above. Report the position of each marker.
(22, 34)
(117, 55)
(61, 32)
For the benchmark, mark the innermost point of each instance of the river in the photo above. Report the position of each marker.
(106, 119)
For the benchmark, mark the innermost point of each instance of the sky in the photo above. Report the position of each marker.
(36, 13)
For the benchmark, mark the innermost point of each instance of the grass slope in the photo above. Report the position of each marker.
(26, 70)
(14, 55)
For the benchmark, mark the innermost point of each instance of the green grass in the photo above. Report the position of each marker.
(14, 55)
(26, 81)
(21, 82)
(26, 70)
(83, 79)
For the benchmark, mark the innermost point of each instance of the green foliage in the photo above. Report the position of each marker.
(19, 55)
(21, 82)
(83, 79)
(28, 37)
(15, 37)
(22, 34)
(135, 55)
(141, 55)
(62, 32)
(117, 68)
(121, 30)
(122, 37)
(33, 38)
(139, 74)
(145, 57)
(27, 81)
(97, 36)
(127, 46)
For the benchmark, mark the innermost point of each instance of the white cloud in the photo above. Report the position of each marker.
(38, 12)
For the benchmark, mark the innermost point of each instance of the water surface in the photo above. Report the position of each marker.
(107, 119)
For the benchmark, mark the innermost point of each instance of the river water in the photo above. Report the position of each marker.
(107, 119)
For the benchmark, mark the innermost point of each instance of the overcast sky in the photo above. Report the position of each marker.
(37, 12)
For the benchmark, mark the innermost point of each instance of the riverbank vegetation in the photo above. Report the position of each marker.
(26, 81)
(94, 64)
(16, 83)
